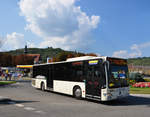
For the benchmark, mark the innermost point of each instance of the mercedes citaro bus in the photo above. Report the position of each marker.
(97, 78)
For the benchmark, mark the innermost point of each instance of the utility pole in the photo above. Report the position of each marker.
(25, 49)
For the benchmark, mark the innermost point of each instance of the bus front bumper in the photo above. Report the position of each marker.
(114, 93)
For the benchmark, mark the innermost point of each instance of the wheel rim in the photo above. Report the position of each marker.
(78, 93)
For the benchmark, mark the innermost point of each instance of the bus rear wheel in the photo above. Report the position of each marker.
(77, 93)
(42, 86)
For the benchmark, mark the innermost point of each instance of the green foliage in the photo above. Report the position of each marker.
(56, 53)
(62, 56)
(44, 52)
(139, 90)
(144, 61)
(6, 82)
(147, 79)
(53, 52)
(131, 82)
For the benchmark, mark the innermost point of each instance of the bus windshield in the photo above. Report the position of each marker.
(118, 76)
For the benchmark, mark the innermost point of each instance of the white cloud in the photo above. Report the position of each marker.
(144, 45)
(59, 22)
(120, 53)
(30, 44)
(13, 41)
(1, 43)
(135, 51)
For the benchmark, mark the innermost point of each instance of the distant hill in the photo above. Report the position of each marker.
(44, 52)
(53, 52)
(142, 61)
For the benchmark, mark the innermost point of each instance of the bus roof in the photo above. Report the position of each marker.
(79, 59)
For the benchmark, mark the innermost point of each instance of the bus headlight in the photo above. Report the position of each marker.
(111, 84)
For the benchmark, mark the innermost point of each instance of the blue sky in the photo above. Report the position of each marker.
(118, 28)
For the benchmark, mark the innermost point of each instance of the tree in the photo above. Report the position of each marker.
(91, 54)
(62, 56)
(70, 55)
(79, 54)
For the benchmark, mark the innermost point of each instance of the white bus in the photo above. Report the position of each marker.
(98, 78)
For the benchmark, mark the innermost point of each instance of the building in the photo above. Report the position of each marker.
(37, 58)
(139, 69)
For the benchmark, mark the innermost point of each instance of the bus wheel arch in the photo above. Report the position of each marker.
(42, 86)
(77, 92)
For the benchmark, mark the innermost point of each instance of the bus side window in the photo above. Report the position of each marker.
(78, 72)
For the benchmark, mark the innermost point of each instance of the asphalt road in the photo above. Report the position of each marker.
(27, 101)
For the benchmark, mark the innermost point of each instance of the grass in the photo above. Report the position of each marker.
(139, 90)
(6, 82)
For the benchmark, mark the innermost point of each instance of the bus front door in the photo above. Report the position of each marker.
(93, 88)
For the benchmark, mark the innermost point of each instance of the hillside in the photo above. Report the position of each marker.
(52, 52)
(142, 61)
(44, 52)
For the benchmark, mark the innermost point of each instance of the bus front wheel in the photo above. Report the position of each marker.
(77, 93)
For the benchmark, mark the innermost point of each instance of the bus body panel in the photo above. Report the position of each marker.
(88, 74)
(37, 83)
(66, 87)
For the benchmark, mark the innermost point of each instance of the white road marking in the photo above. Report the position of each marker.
(141, 95)
(29, 108)
(19, 105)
(41, 112)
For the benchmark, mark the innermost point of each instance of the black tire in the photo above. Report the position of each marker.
(42, 86)
(77, 93)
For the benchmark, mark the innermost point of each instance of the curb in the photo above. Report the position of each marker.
(9, 83)
(140, 95)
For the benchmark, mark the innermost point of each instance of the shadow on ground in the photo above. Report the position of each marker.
(9, 102)
(128, 101)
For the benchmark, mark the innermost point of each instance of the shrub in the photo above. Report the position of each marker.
(142, 84)
(131, 82)
(146, 79)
